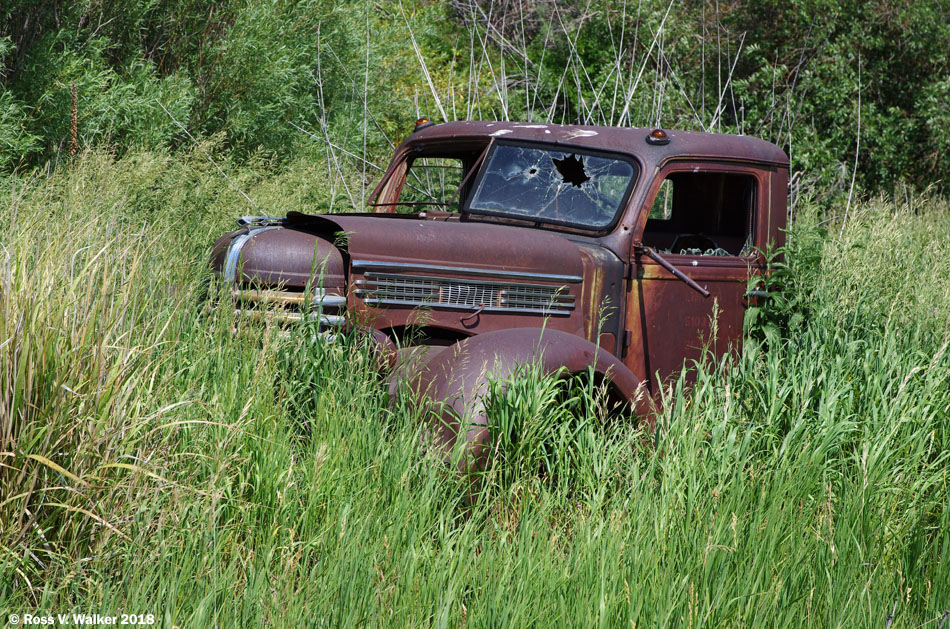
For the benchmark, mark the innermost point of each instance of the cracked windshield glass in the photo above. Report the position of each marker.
(553, 186)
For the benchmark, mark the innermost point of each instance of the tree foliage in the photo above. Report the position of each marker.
(809, 75)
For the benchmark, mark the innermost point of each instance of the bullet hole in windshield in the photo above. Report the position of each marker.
(571, 169)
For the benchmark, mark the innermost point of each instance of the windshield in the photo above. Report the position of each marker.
(551, 185)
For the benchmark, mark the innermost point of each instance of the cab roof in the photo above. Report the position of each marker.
(631, 140)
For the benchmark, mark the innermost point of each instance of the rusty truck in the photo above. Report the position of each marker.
(491, 245)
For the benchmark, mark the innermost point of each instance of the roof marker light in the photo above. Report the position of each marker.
(422, 123)
(658, 137)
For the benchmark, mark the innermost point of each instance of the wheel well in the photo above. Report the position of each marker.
(409, 335)
(615, 397)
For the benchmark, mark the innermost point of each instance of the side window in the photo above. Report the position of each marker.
(662, 208)
(703, 213)
(432, 181)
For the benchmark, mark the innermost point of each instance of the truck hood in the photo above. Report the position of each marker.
(450, 243)
(479, 246)
(326, 247)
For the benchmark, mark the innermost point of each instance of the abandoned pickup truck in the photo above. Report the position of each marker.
(496, 244)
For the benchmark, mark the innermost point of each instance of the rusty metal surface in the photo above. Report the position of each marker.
(478, 245)
(602, 291)
(674, 324)
(290, 257)
(653, 255)
(456, 381)
(495, 285)
(503, 259)
(683, 144)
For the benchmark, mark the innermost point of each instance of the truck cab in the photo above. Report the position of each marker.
(631, 246)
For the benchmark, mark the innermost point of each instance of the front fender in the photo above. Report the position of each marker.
(453, 384)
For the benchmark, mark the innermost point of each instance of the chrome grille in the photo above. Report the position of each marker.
(277, 303)
(464, 294)
(286, 306)
(467, 295)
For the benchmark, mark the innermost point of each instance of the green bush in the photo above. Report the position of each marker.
(357, 75)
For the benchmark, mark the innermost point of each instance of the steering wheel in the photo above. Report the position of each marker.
(693, 241)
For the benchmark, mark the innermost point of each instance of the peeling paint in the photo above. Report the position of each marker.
(580, 133)
(500, 132)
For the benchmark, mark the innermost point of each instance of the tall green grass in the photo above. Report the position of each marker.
(158, 458)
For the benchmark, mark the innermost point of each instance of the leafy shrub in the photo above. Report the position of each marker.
(812, 79)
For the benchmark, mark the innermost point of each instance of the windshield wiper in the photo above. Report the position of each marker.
(651, 253)
(409, 203)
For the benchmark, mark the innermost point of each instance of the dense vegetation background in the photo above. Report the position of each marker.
(807, 75)
(154, 458)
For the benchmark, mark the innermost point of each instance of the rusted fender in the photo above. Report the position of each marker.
(454, 383)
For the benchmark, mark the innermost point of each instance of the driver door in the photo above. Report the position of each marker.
(701, 219)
